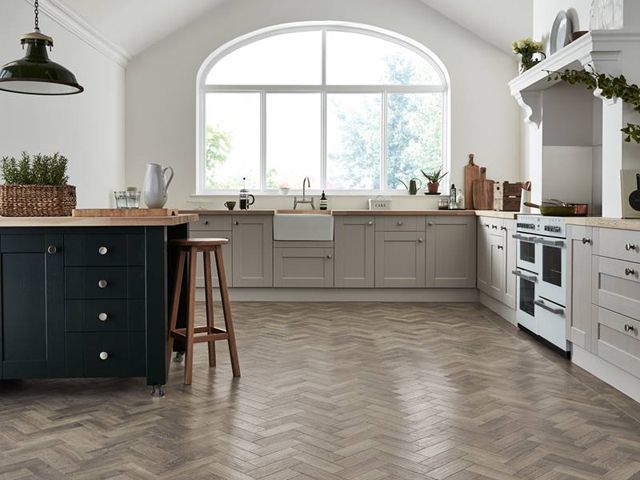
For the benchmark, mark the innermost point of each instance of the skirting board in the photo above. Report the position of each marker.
(608, 373)
(347, 295)
(509, 314)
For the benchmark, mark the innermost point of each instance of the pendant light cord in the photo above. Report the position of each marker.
(36, 11)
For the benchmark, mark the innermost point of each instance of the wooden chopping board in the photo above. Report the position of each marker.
(124, 212)
(483, 192)
(471, 174)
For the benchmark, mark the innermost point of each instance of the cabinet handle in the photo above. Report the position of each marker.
(103, 356)
(495, 227)
(630, 246)
(103, 317)
(206, 222)
(629, 328)
(420, 240)
(329, 257)
(629, 272)
(52, 249)
(103, 250)
(399, 223)
(236, 222)
(500, 247)
(504, 229)
(430, 223)
(102, 284)
(587, 241)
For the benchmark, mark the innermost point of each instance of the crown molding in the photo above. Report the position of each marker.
(74, 23)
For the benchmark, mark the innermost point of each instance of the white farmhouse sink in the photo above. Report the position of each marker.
(302, 226)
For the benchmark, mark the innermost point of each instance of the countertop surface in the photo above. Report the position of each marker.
(97, 221)
(338, 212)
(605, 222)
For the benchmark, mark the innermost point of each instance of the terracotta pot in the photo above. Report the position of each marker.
(433, 187)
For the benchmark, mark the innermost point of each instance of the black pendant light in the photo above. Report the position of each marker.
(35, 74)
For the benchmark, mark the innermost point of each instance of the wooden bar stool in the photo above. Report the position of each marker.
(208, 334)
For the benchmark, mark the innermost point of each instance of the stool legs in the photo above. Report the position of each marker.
(191, 317)
(208, 294)
(226, 308)
(175, 302)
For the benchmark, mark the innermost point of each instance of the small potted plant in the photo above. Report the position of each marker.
(433, 179)
(528, 48)
(36, 186)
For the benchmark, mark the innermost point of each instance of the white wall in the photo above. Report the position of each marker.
(545, 11)
(87, 128)
(161, 86)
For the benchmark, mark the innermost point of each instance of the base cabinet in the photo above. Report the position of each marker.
(579, 253)
(451, 252)
(299, 267)
(252, 251)
(354, 252)
(496, 250)
(227, 256)
(400, 260)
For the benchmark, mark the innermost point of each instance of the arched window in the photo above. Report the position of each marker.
(354, 109)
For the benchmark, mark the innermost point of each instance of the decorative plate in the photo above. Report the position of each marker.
(560, 32)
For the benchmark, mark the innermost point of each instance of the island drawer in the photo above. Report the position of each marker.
(211, 222)
(104, 315)
(103, 249)
(620, 244)
(104, 282)
(106, 354)
(400, 224)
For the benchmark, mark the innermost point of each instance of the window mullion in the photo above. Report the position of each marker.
(263, 141)
(383, 144)
(323, 141)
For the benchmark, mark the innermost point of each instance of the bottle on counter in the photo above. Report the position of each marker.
(453, 194)
(460, 199)
(323, 201)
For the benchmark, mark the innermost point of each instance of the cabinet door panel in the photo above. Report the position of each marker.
(511, 256)
(579, 288)
(451, 252)
(252, 251)
(484, 256)
(400, 260)
(226, 255)
(354, 252)
(303, 267)
(32, 321)
(497, 265)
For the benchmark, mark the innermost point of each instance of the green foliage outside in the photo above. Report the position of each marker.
(35, 170)
(218, 146)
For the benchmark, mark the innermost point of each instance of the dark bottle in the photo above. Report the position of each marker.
(323, 201)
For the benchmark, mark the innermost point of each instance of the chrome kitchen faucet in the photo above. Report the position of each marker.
(305, 183)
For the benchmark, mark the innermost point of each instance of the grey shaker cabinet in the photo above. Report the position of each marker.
(226, 255)
(510, 244)
(400, 260)
(301, 267)
(252, 251)
(579, 288)
(354, 252)
(451, 252)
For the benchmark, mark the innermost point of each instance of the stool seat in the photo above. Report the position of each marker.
(199, 243)
(189, 248)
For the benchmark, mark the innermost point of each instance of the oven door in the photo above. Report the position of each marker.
(526, 296)
(527, 252)
(552, 323)
(553, 270)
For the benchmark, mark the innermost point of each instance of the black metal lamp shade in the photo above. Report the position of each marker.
(35, 74)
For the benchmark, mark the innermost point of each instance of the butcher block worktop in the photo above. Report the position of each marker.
(165, 221)
(605, 222)
(432, 212)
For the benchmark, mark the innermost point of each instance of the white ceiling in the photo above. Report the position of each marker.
(134, 25)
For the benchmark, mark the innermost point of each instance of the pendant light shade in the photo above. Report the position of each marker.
(35, 74)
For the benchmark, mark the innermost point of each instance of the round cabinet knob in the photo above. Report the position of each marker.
(103, 317)
(586, 241)
(51, 249)
(500, 247)
(399, 223)
(420, 240)
(102, 284)
(430, 223)
(103, 355)
(103, 250)
(329, 257)
(370, 222)
(236, 222)
(206, 222)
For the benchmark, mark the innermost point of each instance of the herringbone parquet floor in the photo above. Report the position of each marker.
(335, 391)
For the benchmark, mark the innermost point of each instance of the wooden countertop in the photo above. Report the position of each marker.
(494, 214)
(97, 221)
(337, 212)
(605, 222)
(221, 211)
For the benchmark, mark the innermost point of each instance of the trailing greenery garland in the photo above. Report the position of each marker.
(612, 87)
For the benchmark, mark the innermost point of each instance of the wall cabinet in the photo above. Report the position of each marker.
(303, 266)
(252, 251)
(451, 252)
(579, 253)
(354, 252)
(496, 250)
(32, 295)
(400, 260)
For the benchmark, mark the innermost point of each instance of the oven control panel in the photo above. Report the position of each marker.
(537, 224)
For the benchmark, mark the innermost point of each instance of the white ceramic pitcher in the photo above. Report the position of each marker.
(156, 184)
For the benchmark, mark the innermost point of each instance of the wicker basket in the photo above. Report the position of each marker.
(37, 200)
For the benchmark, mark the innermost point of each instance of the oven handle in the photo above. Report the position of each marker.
(541, 304)
(517, 236)
(550, 243)
(529, 278)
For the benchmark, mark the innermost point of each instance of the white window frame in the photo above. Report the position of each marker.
(323, 89)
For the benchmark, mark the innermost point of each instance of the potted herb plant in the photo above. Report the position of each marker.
(433, 179)
(527, 48)
(36, 186)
